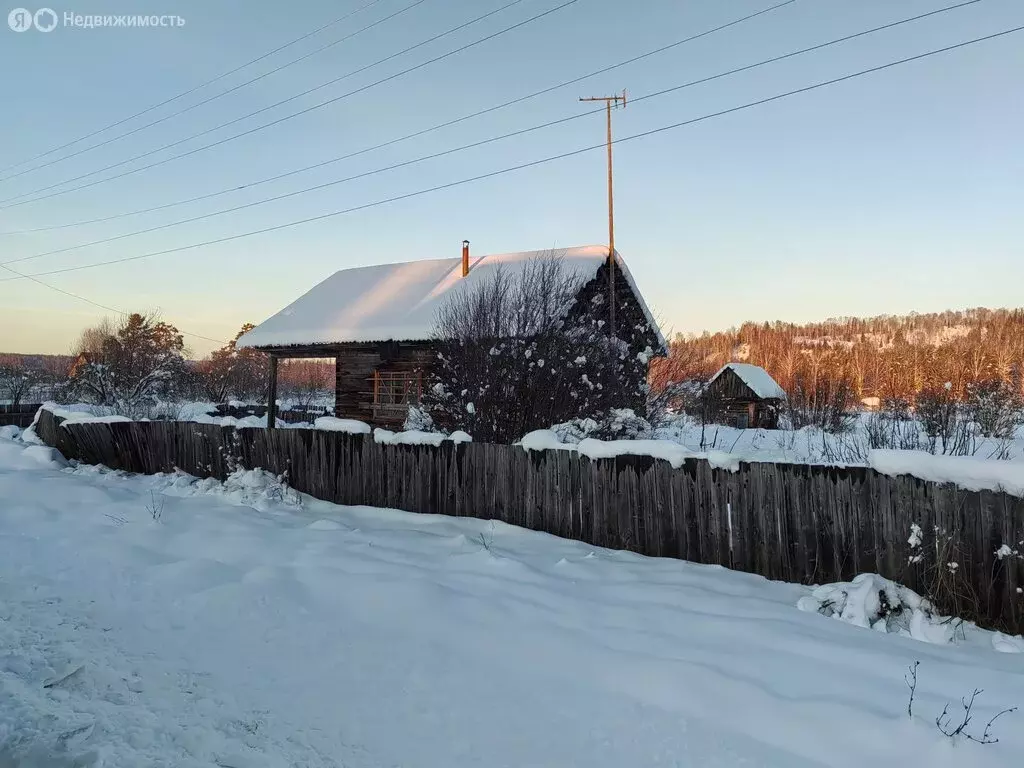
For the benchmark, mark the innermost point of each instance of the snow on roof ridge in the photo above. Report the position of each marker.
(398, 301)
(757, 378)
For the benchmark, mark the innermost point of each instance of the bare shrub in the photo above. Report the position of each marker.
(946, 423)
(155, 507)
(818, 401)
(673, 398)
(520, 352)
(945, 725)
(846, 447)
(893, 427)
(940, 568)
(944, 722)
(230, 372)
(996, 407)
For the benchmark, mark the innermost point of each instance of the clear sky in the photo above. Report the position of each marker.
(898, 191)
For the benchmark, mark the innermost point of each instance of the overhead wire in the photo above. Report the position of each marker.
(97, 304)
(535, 163)
(216, 96)
(194, 89)
(482, 142)
(17, 200)
(431, 129)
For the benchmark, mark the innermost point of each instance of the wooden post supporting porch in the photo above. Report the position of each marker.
(272, 393)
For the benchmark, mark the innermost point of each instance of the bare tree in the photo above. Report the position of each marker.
(520, 352)
(233, 372)
(305, 381)
(17, 379)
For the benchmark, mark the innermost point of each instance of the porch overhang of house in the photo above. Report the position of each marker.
(387, 348)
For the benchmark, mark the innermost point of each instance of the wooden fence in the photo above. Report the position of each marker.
(293, 415)
(792, 522)
(18, 415)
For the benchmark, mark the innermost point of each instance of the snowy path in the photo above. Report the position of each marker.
(325, 636)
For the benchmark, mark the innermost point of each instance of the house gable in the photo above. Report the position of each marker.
(751, 378)
(728, 386)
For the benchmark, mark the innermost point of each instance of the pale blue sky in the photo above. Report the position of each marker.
(895, 192)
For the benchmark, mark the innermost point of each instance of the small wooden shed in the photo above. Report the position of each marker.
(744, 396)
(377, 322)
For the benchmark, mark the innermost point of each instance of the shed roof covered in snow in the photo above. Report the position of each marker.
(756, 378)
(400, 302)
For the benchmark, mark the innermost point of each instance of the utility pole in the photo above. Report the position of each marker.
(610, 101)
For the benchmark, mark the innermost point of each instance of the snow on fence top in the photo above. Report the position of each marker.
(968, 472)
(399, 302)
(755, 377)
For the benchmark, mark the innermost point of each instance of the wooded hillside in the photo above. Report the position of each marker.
(890, 356)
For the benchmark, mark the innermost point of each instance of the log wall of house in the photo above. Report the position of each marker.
(354, 371)
(356, 363)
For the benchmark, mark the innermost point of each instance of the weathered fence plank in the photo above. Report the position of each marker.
(784, 521)
(21, 415)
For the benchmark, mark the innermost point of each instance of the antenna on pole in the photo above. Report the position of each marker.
(610, 101)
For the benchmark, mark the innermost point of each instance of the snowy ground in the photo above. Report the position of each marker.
(810, 444)
(250, 628)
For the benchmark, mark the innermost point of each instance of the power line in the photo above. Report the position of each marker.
(222, 93)
(3, 203)
(433, 128)
(483, 142)
(34, 279)
(535, 163)
(192, 90)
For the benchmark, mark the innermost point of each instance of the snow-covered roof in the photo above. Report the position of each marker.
(399, 302)
(757, 378)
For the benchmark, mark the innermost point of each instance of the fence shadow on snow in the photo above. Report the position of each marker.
(792, 522)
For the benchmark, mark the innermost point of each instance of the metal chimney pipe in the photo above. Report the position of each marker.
(465, 258)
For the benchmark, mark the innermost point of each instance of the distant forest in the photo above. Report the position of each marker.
(889, 357)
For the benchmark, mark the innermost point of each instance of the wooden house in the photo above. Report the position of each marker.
(744, 396)
(377, 322)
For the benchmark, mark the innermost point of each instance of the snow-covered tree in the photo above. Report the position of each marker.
(523, 351)
(131, 365)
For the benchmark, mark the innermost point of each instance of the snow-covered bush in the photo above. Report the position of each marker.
(418, 420)
(571, 432)
(877, 603)
(254, 488)
(522, 352)
(616, 424)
